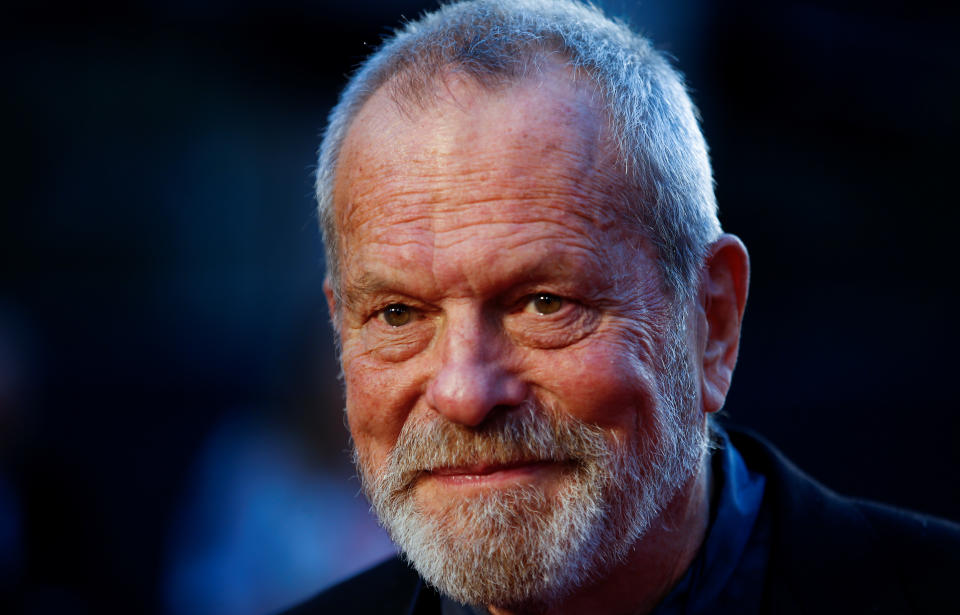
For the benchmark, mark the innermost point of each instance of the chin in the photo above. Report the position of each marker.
(526, 545)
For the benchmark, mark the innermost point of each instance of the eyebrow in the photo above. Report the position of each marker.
(365, 285)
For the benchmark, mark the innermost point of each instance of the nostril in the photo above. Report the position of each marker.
(468, 392)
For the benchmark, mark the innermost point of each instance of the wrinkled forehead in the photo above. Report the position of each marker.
(540, 137)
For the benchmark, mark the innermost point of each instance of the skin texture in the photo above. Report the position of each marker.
(484, 263)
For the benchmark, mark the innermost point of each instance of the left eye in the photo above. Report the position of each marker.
(543, 303)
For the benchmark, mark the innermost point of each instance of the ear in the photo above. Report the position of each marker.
(723, 296)
(331, 296)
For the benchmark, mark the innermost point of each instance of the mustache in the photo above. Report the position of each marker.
(534, 432)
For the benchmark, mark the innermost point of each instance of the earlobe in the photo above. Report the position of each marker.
(724, 283)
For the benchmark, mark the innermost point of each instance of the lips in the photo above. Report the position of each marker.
(483, 469)
(494, 475)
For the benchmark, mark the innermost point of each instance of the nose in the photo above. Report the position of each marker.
(473, 377)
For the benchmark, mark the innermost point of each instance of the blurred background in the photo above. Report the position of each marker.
(171, 436)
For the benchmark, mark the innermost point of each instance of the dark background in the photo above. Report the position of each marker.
(161, 266)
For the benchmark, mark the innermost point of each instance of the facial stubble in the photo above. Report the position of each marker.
(519, 546)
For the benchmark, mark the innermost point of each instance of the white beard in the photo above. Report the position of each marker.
(518, 546)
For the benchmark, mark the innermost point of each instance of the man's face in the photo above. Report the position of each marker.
(505, 340)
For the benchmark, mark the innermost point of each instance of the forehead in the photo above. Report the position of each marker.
(476, 163)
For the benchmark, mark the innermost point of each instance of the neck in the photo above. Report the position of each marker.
(655, 563)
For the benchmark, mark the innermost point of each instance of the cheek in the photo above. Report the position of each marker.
(603, 384)
(379, 399)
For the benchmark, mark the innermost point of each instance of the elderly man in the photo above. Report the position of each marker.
(537, 313)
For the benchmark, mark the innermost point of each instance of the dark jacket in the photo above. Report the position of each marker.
(828, 554)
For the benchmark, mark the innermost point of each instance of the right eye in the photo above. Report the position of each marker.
(397, 314)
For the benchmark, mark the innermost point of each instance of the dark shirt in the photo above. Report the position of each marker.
(727, 574)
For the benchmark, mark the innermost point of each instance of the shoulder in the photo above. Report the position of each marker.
(389, 587)
(793, 493)
(923, 550)
(868, 556)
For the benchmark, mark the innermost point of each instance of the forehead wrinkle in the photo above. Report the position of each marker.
(501, 236)
(411, 180)
(512, 168)
(428, 271)
(499, 272)
(581, 162)
(408, 211)
(388, 213)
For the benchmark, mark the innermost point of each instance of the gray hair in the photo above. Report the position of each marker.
(497, 42)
